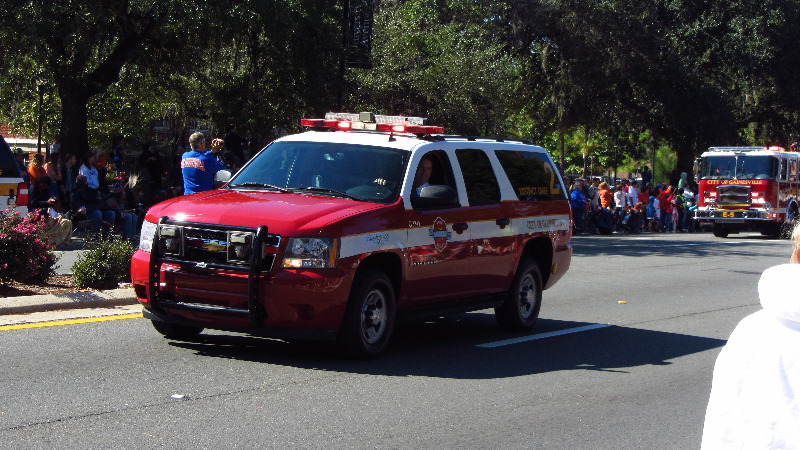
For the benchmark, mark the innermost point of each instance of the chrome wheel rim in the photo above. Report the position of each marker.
(373, 316)
(527, 296)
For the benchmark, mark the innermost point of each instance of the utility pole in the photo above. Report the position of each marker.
(41, 113)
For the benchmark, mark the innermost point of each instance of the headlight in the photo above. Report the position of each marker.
(147, 236)
(311, 253)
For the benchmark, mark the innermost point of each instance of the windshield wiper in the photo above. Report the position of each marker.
(330, 191)
(261, 185)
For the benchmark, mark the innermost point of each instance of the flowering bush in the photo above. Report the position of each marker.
(25, 253)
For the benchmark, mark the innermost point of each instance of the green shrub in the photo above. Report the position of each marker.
(104, 265)
(25, 252)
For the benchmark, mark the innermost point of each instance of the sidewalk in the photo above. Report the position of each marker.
(75, 300)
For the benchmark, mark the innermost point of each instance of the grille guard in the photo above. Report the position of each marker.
(255, 266)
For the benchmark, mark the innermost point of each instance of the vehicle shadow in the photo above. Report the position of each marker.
(447, 348)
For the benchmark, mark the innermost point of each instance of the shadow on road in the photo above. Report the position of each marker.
(447, 349)
(684, 245)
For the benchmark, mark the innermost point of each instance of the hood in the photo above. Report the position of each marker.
(282, 213)
(778, 291)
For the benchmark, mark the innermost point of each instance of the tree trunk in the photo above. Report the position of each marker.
(74, 118)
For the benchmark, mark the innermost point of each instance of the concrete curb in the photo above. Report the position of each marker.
(73, 300)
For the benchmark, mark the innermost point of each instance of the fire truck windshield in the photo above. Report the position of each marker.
(739, 167)
(322, 168)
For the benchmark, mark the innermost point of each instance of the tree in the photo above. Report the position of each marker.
(444, 60)
(83, 58)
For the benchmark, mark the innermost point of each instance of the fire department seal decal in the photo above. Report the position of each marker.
(440, 234)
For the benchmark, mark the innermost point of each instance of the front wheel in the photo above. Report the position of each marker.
(177, 332)
(523, 299)
(369, 319)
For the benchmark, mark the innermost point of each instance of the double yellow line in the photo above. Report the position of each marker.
(68, 322)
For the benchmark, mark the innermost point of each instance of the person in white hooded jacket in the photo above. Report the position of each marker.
(755, 392)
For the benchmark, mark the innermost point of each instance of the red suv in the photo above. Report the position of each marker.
(335, 232)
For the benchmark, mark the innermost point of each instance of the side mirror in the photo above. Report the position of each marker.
(696, 169)
(222, 177)
(434, 197)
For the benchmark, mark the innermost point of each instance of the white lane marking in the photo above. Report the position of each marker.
(542, 335)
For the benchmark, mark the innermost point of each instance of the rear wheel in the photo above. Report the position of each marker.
(787, 227)
(523, 299)
(369, 319)
(720, 231)
(178, 332)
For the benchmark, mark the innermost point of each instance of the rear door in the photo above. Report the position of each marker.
(490, 223)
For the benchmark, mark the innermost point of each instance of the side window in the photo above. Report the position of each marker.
(479, 177)
(532, 175)
(434, 169)
(784, 169)
(793, 169)
(437, 170)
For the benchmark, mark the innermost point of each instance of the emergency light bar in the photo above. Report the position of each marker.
(745, 149)
(372, 122)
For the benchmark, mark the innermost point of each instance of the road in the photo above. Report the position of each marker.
(657, 310)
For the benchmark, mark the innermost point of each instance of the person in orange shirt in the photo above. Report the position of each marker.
(36, 168)
(606, 196)
(644, 195)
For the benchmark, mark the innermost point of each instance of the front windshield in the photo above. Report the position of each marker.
(322, 168)
(739, 167)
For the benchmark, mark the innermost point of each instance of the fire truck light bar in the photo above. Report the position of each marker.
(773, 148)
(373, 122)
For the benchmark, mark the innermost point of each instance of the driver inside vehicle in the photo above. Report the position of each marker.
(423, 174)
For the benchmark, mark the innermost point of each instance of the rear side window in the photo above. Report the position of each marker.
(8, 163)
(479, 178)
(532, 175)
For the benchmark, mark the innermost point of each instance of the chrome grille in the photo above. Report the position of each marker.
(733, 195)
(212, 246)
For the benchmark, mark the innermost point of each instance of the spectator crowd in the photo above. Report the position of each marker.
(109, 190)
(631, 206)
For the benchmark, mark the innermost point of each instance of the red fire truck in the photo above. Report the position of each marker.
(748, 188)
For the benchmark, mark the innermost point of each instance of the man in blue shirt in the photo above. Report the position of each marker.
(199, 165)
(577, 200)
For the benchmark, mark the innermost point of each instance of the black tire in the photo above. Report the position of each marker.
(720, 231)
(787, 227)
(177, 332)
(369, 319)
(523, 299)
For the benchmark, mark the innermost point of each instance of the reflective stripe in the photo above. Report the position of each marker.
(420, 236)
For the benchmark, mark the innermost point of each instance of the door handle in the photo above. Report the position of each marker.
(502, 223)
(460, 227)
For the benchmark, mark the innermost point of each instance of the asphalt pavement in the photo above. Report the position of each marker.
(86, 299)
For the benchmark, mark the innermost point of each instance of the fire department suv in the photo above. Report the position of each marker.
(748, 187)
(335, 232)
